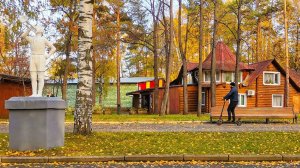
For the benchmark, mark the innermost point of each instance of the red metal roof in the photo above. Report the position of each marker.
(295, 76)
(225, 59)
(191, 66)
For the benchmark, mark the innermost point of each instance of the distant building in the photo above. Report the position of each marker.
(129, 80)
(143, 97)
(260, 85)
(12, 86)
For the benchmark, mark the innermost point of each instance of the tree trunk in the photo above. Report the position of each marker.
(100, 87)
(156, 91)
(287, 57)
(83, 110)
(72, 9)
(66, 73)
(258, 31)
(238, 43)
(184, 63)
(208, 37)
(94, 90)
(169, 62)
(213, 59)
(297, 47)
(118, 63)
(199, 111)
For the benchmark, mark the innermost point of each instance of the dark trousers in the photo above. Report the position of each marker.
(230, 110)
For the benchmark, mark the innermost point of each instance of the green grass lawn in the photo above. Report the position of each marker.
(168, 143)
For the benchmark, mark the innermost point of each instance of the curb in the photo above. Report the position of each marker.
(206, 158)
(24, 159)
(151, 158)
(255, 158)
(86, 159)
(291, 157)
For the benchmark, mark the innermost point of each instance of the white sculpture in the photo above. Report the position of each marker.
(38, 57)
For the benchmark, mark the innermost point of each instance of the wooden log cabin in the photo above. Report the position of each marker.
(260, 85)
(11, 86)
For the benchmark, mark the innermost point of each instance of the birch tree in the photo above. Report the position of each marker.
(83, 109)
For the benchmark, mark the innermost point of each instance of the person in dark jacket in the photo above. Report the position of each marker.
(233, 96)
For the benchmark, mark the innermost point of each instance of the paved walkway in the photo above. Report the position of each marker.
(182, 127)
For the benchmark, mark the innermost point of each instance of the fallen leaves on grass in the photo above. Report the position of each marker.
(176, 143)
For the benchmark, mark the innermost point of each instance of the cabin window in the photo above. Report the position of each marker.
(217, 76)
(206, 76)
(277, 100)
(229, 77)
(271, 78)
(189, 78)
(203, 98)
(242, 100)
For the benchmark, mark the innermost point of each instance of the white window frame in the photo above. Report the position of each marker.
(273, 100)
(245, 99)
(272, 72)
(217, 80)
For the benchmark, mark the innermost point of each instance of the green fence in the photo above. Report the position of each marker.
(109, 101)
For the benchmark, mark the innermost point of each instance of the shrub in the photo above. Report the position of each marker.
(98, 109)
(70, 110)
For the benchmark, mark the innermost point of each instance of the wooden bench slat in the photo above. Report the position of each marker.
(256, 112)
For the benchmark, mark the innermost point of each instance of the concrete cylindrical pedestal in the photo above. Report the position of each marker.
(36, 122)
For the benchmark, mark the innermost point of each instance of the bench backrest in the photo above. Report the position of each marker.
(255, 110)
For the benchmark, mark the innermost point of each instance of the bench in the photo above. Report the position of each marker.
(256, 113)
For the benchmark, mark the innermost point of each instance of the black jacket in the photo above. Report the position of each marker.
(232, 95)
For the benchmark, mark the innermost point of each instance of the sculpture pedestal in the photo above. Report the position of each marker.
(36, 122)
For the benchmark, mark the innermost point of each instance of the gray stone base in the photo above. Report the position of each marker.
(36, 122)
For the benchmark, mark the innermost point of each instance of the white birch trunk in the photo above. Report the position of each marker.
(83, 111)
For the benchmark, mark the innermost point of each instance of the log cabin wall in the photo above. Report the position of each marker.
(192, 99)
(175, 97)
(11, 89)
(263, 92)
